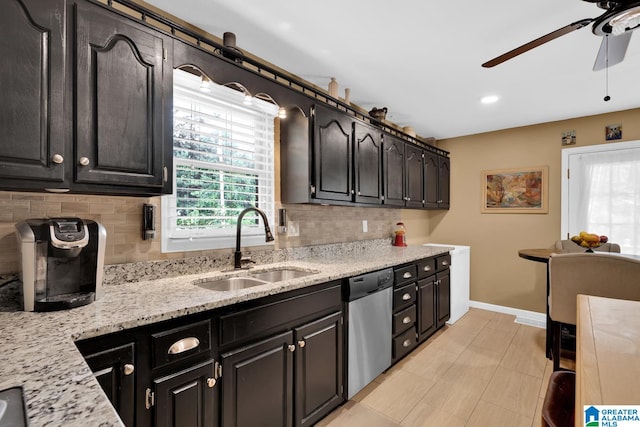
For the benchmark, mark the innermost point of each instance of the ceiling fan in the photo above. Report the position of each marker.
(615, 25)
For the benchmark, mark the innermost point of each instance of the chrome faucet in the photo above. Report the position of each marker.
(237, 255)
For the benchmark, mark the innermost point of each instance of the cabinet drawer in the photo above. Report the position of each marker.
(426, 268)
(404, 343)
(179, 343)
(443, 262)
(404, 319)
(404, 296)
(406, 274)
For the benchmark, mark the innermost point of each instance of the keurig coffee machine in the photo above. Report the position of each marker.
(62, 261)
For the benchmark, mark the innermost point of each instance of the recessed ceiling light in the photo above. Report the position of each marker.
(490, 99)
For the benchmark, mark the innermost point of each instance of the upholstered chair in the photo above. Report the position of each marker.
(601, 274)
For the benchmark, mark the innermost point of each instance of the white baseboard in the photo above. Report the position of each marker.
(524, 317)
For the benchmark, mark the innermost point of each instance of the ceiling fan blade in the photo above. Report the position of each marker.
(537, 42)
(614, 54)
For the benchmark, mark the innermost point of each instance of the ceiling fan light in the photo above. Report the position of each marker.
(625, 21)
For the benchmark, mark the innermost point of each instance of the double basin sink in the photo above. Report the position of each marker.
(254, 279)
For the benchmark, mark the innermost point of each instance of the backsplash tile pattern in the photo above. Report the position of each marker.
(122, 218)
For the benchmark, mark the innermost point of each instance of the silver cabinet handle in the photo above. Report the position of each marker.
(301, 344)
(57, 158)
(183, 345)
(445, 263)
(149, 398)
(84, 161)
(211, 382)
(427, 268)
(128, 369)
(406, 297)
(291, 348)
(407, 275)
(406, 343)
(406, 320)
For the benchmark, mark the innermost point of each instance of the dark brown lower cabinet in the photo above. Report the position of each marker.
(443, 297)
(257, 383)
(318, 369)
(293, 378)
(186, 398)
(115, 371)
(427, 323)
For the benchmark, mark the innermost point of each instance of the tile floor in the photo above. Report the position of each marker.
(483, 370)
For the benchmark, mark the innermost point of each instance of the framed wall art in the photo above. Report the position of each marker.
(519, 190)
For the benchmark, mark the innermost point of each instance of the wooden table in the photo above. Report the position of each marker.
(607, 353)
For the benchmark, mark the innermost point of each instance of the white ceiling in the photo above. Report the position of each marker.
(421, 59)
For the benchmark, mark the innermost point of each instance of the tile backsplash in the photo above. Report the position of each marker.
(122, 218)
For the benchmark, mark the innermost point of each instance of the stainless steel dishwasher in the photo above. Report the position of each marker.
(369, 307)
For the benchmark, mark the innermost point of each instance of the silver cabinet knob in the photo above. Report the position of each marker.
(445, 263)
(406, 297)
(406, 343)
(407, 275)
(84, 161)
(301, 344)
(427, 268)
(128, 369)
(291, 348)
(211, 382)
(57, 158)
(406, 320)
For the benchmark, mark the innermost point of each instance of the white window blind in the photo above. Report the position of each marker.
(223, 163)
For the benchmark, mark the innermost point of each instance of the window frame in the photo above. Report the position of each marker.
(173, 240)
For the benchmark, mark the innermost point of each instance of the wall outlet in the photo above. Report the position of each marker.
(293, 229)
(365, 226)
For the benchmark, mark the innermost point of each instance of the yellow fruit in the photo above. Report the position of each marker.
(591, 238)
(576, 239)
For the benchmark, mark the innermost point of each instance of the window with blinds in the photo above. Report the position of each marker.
(223, 163)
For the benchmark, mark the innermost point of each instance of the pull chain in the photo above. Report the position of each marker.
(606, 71)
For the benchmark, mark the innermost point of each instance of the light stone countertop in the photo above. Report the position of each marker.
(38, 351)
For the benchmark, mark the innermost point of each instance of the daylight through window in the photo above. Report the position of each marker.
(223, 163)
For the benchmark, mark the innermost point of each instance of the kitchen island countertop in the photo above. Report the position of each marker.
(38, 350)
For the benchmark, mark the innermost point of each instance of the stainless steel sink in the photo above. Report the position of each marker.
(281, 275)
(231, 283)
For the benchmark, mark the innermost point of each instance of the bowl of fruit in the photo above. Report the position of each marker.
(589, 240)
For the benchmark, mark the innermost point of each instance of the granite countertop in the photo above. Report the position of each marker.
(38, 350)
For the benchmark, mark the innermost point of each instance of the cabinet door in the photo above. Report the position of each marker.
(426, 307)
(186, 398)
(443, 297)
(413, 166)
(318, 369)
(393, 171)
(444, 174)
(368, 164)
(120, 84)
(431, 171)
(32, 85)
(257, 384)
(115, 371)
(332, 154)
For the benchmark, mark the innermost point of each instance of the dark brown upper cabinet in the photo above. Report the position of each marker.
(393, 171)
(367, 153)
(32, 128)
(332, 155)
(436, 181)
(414, 190)
(123, 83)
(86, 100)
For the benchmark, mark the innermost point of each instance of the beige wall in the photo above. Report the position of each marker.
(498, 275)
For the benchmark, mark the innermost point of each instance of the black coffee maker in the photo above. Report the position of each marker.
(62, 262)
